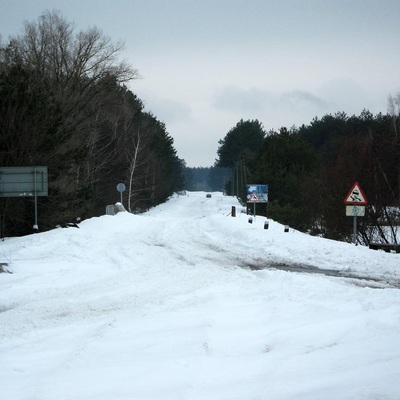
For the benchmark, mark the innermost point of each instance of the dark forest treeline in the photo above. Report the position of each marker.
(310, 170)
(206, 178)
(64, 104)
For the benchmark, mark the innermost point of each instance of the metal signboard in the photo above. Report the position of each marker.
(121, 187)
(355, 211)
(23, 181)
(356, 196)
(257, 193)
(355, 200)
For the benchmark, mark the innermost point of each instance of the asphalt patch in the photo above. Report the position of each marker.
(355, 279)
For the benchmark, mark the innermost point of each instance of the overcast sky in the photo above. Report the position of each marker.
(205, 64)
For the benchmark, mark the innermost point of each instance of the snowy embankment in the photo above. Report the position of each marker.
(164, 306)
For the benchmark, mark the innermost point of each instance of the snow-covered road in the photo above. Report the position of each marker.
(164, 306)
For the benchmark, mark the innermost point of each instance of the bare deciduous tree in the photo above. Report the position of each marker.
(53, 49)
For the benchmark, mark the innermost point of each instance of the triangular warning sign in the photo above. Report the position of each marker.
(356, 196)
(254, 197)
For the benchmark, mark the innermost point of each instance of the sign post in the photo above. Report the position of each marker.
(24, 182)
(257, 194)
(355, 206)
(121, 188)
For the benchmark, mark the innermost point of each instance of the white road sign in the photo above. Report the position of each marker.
(355, 211)
(356, 196)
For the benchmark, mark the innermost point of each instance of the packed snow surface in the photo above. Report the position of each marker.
(187, 302)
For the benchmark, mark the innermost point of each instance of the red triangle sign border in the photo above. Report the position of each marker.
(351, 198)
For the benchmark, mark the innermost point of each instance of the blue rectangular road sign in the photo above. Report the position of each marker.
(257, 193)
